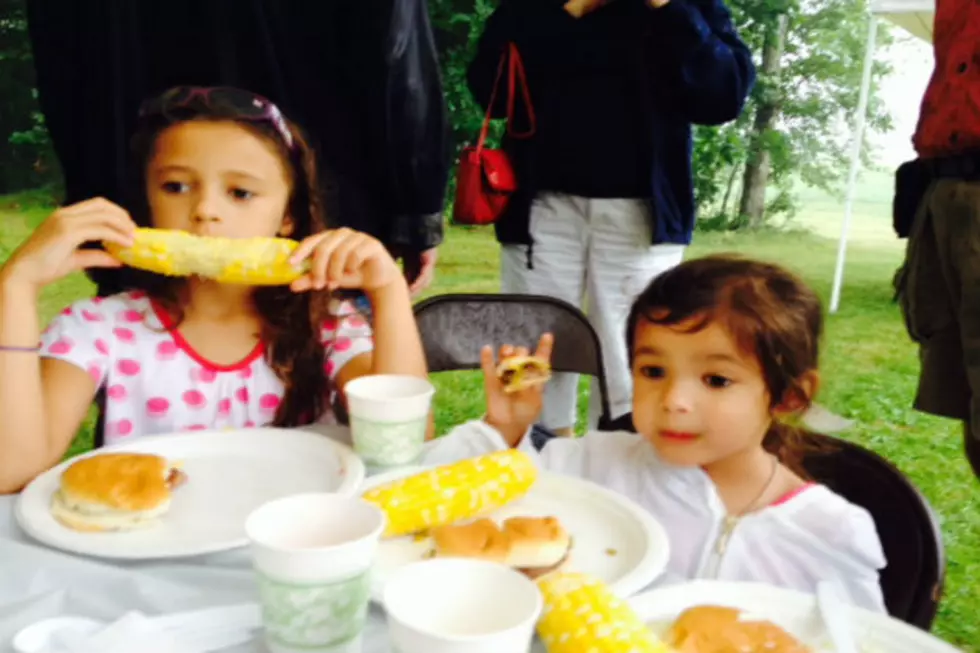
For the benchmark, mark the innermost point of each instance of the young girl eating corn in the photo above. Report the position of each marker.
(183, 353)
(722, 351)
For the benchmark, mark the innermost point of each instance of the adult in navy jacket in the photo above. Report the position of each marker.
(606, 198)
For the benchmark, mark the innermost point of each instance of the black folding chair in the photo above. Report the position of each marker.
(912, 581)
(455, 327)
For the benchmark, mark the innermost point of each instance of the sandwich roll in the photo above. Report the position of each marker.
(481, 539)
(115, 492)
(518, 373)
(537, 544)
(533, 545)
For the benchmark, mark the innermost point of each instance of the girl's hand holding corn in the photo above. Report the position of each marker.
(345, 259)
(54, 249)
(513, 413)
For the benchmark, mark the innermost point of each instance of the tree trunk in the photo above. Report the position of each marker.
(753, 204)
(729, 187)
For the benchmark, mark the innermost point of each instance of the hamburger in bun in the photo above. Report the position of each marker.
(534, 546)
(520, 372)
(115, 492)
(713, 629)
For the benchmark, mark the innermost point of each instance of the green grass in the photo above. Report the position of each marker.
(869, 365)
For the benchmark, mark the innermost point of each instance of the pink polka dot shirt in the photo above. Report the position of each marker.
(156, 383)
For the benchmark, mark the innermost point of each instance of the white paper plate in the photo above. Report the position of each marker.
(796, 612)
(614, 539)
(230, 473)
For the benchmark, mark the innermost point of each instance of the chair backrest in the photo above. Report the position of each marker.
(912, 581)
(455, 327)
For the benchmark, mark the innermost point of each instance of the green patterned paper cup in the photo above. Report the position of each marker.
(388, 417)
(312, 555)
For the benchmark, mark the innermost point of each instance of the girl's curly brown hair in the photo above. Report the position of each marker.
(772, 315)
(291, 322)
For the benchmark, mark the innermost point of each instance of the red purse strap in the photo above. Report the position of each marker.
(515, 73)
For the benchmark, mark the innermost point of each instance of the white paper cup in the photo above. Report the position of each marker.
(312, 555)
(455, 605)
(389, 414)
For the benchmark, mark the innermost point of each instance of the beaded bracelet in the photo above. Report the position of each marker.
(22, 349)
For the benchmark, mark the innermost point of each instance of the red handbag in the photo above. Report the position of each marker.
(485, 178)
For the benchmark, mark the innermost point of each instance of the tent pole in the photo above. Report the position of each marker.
(858, 137)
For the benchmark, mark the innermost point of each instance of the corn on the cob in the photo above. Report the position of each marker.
(450, 493)
(581, 615)
(250, 261)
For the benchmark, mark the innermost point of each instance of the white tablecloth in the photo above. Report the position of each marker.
(37, 582)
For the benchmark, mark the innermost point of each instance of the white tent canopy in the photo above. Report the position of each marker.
(916, 17)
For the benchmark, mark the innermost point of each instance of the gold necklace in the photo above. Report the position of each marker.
(731, 521)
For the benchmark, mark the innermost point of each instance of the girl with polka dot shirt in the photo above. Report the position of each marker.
(180, 354)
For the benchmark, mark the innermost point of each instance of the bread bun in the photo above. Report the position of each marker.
(481, 539)
(532, 545)
(714, 629)
(521, 372)
(115, 492)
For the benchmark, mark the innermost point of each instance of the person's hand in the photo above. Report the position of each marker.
(579, 8)
(512, 413)
(420, 269)
(55, 250)
(344, 259)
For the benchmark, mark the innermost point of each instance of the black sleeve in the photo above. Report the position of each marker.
(697, 57)
(419, 146)
(391, 93)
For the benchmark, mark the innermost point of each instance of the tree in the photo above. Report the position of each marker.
(758, 166)
(458, 25)
(796, 126)
(26, 157)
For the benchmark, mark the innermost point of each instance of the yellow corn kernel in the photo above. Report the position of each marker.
(581, 615)
(450, 493)
(249, 261)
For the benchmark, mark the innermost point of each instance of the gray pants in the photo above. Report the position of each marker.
(596, 255)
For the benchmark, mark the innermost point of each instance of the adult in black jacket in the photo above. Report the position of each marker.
(361, 76)
(606, 197)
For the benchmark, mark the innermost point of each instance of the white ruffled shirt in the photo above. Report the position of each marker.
(157, 383)
(809, 536)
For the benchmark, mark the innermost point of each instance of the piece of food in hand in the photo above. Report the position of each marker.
(115, 492)
(715, 629)
(520, 372)
(535, 546)
(176, 253)
(579, 8)
(581, 615)
(451, 493)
